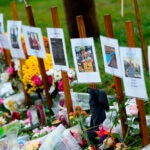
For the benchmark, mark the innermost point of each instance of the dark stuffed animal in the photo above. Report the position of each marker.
(98, 105)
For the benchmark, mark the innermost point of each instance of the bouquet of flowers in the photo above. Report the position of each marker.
(32, 79)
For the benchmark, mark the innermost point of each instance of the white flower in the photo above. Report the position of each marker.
(71, 73)
(50, 72)
(4, 76)
(2, 121)
(16, 64)
(57, 75)
(51, 90)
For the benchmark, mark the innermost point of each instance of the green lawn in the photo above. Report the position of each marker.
(42, 16)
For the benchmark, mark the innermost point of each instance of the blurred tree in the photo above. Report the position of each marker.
(86, 8)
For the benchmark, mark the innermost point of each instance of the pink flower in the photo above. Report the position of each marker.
(60, 86)
(29, 115)
(37, 80)
(36, 130)
(1, 50)
(1, 101)
(10, 70)
(50, 79)
(133, 110)
(27, 121)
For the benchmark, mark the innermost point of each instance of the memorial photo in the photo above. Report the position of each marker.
(110, 56)
(33, 40)
(58, 51)
(85, 60)
(132, 67)
(14, 37)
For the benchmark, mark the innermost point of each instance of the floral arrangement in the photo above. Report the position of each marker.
(32, 79)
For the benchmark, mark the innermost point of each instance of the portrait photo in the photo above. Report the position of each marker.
(132, 67)
(85, 60)
(14, 38)
(34, 41)
(111, 56)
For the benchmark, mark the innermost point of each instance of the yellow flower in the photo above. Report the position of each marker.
(31, 68)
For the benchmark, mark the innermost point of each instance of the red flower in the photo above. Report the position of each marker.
(60, 86)
(37, 80)
(15, 115)
(50, 79)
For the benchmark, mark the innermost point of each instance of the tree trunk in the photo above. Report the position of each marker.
(86, 8)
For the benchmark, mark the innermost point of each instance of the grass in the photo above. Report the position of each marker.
(42, 16)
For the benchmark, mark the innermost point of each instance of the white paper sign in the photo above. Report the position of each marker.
(14, 39)
(132, 71)
(3, 38)
(111, 56)
(85, 60)
(34, 41)
(1, 24)
(57, 48)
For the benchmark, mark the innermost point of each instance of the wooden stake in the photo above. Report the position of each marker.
(64, 74)
(15, 17)
(40, 61)
(82, 34)
(117, 80)
(144, 49)
(139, 102)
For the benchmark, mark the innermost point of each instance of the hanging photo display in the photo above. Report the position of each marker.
(110, 49)
(3, 38)
(85, 60)
(34, 41)
(57, 48)
(132, 72)
(14, 38)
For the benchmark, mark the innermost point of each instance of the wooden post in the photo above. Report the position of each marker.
(144, 49)
(140, 103)
(82, 34)
(117, 80)
(64, 74)
(15, 17)
(40, 61)
(7, 56)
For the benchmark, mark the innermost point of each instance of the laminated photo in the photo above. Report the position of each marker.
(111, 56)
(132, 71)
(34, 41)
(57, 48)
(14, 38)
(85, 60)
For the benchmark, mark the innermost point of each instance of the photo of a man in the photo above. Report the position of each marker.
(14, 37)
(132, 68)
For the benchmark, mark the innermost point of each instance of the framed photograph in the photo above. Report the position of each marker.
(57, 48)
(3, 38)
(132, 72)
(111, 56)
(14, 39)
(34, 41)
(85, 60)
